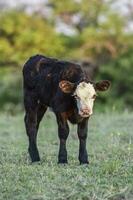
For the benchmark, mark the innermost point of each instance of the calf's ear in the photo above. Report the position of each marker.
(102, 85)
(66, 86)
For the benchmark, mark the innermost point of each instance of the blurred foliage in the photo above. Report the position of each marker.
(10, 89)
(22, 35)
(101, 37)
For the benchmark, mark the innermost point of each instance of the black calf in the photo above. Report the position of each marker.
(50, 83)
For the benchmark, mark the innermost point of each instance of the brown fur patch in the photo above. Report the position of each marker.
(71, 73)
(66, 86)
(67, 114)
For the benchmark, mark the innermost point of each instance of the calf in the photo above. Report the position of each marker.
(64, 87)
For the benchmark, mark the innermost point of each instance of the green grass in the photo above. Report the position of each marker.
(109, 175)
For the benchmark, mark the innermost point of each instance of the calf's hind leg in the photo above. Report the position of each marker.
(32, 120)
(63, 131)
(31, 129)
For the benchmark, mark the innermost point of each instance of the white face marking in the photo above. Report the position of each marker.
(85, 95)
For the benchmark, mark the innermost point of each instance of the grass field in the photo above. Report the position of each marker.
(109, 175)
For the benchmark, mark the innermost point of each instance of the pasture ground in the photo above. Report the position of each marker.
(109, 175)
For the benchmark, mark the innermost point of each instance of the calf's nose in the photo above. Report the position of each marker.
(86, 111)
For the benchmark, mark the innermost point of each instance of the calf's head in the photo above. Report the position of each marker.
(84, 94)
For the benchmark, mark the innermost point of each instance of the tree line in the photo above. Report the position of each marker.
(100, 37)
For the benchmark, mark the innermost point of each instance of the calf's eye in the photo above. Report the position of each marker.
(94, 96)
(76, 97)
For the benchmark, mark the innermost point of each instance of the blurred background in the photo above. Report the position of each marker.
(98, 34)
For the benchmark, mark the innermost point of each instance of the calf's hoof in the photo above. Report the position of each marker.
(34, 155)
(84, 162)
(83, 159)
(62, 161)
(35, 160)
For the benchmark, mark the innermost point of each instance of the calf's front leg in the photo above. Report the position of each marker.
(82, 135)
(63, 132)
